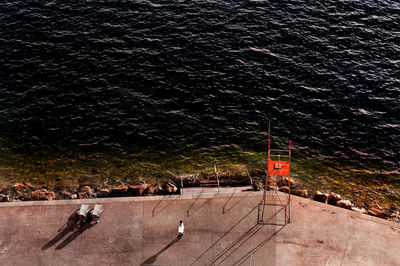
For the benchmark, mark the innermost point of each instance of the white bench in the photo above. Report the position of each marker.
(95, 213)
(82, 213)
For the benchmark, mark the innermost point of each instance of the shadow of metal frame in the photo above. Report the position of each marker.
(280, 207)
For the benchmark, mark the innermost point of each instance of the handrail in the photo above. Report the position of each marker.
(215, 170)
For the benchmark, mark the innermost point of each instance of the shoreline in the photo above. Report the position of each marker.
(25, 191)
(94, 175)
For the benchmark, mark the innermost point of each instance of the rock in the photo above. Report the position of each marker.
(300, 192)
(66, 194)
(378, 213)
(174, 188)
(167, 188)
(119, 189)
(104, 192)
(258, 186)
(85, 192)
(20, 191)
(374, 204)
(74, 196)
(149, 190)
(158, 189)
(285, 182)
(30, 186)
(4, 198)
(333, 198)
(346, 204)
(360, 210)
(137, 190)
(375, 209)
(82, 195)
(321, 197)
(395, 216)
(284, 189)
(86, 189)
(21, 196)
(43, 194)
(170, 188)
(19, 187)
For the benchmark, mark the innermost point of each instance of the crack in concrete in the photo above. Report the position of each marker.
(348, 242)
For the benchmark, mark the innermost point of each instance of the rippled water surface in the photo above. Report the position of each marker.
(188, 75)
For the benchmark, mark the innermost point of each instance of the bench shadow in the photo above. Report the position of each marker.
(69, 226)
(152, 259)
(81, 228)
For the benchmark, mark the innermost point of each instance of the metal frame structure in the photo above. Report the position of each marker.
(278, 168)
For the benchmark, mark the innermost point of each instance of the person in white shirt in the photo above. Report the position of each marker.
(181, 229)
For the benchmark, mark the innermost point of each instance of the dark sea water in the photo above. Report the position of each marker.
(187, 75)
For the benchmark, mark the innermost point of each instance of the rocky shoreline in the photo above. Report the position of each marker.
(24, 191)
(371, 207)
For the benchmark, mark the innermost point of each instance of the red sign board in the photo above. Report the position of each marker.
(279, 168)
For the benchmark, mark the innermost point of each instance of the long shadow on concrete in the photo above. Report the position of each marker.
(81, 228)
(225, 210)
(256, 248)
(69, 226)
(221, 257)
(235, 245)
(189, 212)
(224, 235)
(153, 258)
(154, 212)
(230, 249)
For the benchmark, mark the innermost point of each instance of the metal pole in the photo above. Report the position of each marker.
(248, 174)
(216, 174)
(181, 185)
(286, 220)
(290, 156)
(267, 177)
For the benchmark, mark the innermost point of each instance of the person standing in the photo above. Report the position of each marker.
(181, 229)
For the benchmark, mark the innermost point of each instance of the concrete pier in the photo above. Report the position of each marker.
(220, 229)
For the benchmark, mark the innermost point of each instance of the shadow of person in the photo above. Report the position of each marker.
(82, 227)
(152, 259)
(69, 226)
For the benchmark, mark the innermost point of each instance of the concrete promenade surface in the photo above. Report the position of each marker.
(220, 229)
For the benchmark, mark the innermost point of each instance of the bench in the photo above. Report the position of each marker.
(82, 213)
(95, 212)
